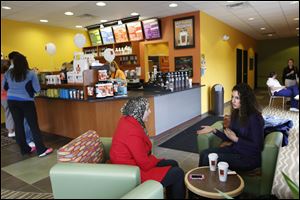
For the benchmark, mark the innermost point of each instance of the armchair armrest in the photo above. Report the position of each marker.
(148, 190)
(89, 181)
(209, 140)
(270, 152)
(107, 144)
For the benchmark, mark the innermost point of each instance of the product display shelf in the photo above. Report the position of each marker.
(89, 78)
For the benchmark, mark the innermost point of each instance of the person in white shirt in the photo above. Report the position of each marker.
(278, 90)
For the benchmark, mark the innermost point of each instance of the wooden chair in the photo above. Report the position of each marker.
(272, 97)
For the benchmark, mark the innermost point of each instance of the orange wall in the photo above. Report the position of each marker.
(168, 37)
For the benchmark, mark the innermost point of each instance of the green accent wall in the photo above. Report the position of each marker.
(273, 56)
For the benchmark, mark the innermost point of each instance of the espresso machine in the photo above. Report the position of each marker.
(133, 78)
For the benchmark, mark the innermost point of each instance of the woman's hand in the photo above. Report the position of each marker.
(205, 129)
(231, 135)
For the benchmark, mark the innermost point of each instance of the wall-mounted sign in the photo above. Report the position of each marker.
(184, 33)
(120, 33)
(107, 35)
(95, 36)
(135, 31)
(151, 29)
(185, 64)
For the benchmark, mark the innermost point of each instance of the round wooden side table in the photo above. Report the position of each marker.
(206, 187)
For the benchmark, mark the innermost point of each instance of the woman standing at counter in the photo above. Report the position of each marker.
(21, 84)
(132, 146)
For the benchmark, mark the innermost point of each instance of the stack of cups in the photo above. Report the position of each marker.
(213, 159)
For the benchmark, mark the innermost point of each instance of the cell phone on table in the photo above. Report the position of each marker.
(197, 176)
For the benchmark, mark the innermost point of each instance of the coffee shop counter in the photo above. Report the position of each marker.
(71, 118)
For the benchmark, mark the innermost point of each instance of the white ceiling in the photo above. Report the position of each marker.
(276, 16)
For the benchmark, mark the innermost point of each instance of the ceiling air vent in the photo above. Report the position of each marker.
(237, 5)
(86, 16)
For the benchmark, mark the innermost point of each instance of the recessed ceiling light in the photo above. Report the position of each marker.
(69, 13)
(103, 20)
(43, 20)
(270, 34)
(262, 28)
(101, 4)
(251, 18)
(134, 14)
(78, 26)
(173, 5)
(6, 7)
(297, 28)
(294, 2)
(296, 18)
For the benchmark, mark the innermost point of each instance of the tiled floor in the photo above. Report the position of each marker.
(28, 173)
(12, 163)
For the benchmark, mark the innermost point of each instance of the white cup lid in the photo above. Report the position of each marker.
(223, 164)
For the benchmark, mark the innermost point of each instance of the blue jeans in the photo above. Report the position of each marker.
(291, 92)
(28, 134)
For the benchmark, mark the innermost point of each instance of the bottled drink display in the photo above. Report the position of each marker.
(170, 80)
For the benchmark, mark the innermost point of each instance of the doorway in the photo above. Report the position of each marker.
(239, 65)
(245, 66)
(255, 70)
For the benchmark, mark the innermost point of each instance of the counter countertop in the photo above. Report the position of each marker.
(131, 93)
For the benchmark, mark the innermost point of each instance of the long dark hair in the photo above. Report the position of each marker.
(248, 103)
(20, 69)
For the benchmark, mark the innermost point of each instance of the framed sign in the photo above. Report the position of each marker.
(120, 33)
(184, 32)
(184, 64)
(95, 37)
(107, 35)
(151, 29)
(135, 31)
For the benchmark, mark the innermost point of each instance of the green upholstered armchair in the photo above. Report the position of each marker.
(254, 184)
(106, 181)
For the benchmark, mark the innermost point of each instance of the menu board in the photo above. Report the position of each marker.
(95, 37)
(107, 35)
(135, 31)
(151, 29)
(120, 33)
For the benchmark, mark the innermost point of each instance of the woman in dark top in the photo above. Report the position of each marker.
(245, 133)
(290, 74)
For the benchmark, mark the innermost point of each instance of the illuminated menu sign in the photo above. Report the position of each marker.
(95, 37)
(135, 31)
(151, 29)
(107, 35)
(120, 33)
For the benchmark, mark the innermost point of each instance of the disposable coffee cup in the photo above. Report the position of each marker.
(223, 169)
(213, 159)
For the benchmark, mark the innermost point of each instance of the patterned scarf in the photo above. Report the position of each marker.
(136, 108)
